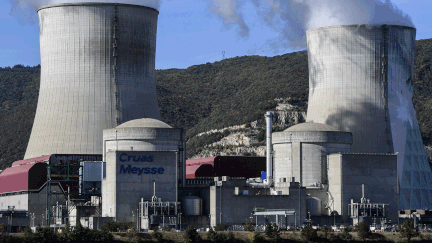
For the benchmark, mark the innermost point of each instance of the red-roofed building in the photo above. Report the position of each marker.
(44, 159)
(22, 185)
(22, 178)
(232, 166)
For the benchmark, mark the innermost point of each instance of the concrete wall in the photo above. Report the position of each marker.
(148, 139)
(94, 76)
(109, 186)
(142, 139)
(38, 203)
(34, 202)
(377, 171)
(228, 208)
(123, 188)
(20, 201)
(303, 154)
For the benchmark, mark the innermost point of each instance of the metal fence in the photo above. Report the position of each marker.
(259, 228)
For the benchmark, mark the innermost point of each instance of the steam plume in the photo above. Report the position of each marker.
(228, 10)
(25, 10)
(291, 18)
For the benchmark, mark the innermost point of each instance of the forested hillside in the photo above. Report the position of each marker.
(203, 97)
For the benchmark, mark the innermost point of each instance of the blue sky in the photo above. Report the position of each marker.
(189, 33)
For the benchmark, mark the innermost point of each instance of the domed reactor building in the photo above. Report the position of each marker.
(98, 71)
(360, 81)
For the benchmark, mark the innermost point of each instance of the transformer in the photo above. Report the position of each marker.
(97, 71)
(360, 81)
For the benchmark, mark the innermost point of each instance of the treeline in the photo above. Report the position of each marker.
(272, 234)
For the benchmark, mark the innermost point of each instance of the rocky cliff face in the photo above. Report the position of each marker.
(248, 139)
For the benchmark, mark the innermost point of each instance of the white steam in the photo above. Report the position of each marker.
(228, 10)
(25, 10)
(291, 18)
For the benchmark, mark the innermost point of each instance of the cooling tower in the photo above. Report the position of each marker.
(98, 71)
(361, 82)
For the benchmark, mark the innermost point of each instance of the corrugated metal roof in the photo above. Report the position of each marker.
(44, 158)
(15, 178)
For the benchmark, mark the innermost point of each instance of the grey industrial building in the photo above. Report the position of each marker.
(98, 150)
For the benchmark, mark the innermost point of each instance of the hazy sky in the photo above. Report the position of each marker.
(190, 32)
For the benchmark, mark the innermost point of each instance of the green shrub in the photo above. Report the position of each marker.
(346, 227)
(125, 225)
(220, 237)
(309, 234)
(191, 235)
(249, 226)
(133, 236)
(211, 235)
(345, 235)
(272, 232)
(166, 228)
(29, 237)
(3, 228)
(326, 230)
(66, 229)
(6, 238)
(109, 226)
(79, 235)
(106, 237)
(231, 237)
(96, 236)
(363, 230)
(220, 227)
(45, 235)
(257, 238)
(333, 237)
(275, 237)
(407, 230)
(157, 235)
(268, 230)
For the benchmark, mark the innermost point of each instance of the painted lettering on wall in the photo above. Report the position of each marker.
(128, 169)
(124, 157)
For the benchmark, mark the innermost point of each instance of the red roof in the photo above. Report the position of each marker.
(192, 165)
(200, 161)
(44, 158)
(15, 178)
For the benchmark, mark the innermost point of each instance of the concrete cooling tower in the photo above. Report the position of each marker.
(361, 82)
(98, 71)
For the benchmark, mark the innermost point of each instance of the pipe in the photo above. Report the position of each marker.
(154, 199)
(177, 174)
(269, 165)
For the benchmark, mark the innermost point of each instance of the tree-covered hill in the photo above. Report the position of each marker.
(202, 97)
